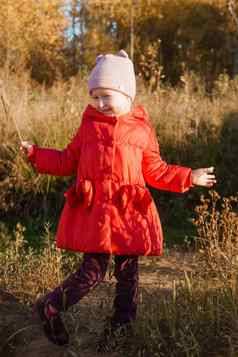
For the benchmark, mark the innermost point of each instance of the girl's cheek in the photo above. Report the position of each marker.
(123, 106)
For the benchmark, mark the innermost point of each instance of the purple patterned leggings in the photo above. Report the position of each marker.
(91, 272)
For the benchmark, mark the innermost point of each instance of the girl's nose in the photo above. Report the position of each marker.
(100, 103)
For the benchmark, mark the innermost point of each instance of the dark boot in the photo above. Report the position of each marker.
(53, 326)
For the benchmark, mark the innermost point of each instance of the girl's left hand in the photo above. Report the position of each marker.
(204, 177)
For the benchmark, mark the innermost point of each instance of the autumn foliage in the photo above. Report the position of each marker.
(32, 36)
(58, 38)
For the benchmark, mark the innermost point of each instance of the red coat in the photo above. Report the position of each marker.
(109, 209)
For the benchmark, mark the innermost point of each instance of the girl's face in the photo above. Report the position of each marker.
(110, 102)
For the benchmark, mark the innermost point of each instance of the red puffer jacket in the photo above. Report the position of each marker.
(109, 209)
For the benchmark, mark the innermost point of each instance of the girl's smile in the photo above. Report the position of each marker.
(110, 102)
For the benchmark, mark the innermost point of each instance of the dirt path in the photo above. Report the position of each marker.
(21, 335)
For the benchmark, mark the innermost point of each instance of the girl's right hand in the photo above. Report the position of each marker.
(25, 146)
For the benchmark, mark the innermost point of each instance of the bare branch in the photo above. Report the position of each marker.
(231, 7)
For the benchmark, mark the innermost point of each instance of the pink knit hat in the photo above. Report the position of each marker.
(114, 72)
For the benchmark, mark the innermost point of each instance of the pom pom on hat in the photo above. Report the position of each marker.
(114, 72)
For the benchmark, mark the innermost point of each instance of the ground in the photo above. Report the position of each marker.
(21, 334)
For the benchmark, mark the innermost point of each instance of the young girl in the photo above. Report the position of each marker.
(109, 210)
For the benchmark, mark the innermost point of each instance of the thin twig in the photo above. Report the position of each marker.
(15, 334)
(6, 108)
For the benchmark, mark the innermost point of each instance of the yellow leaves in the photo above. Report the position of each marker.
(31, 25)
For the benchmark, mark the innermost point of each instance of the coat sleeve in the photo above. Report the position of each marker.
(57, 162)
(157, 173)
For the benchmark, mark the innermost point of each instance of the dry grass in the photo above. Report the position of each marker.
(199, 317)
(194, 321)
(217, 226)
(189, 125)
(28, 273)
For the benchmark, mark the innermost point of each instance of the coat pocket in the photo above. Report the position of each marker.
(137, 196)
(80, 193)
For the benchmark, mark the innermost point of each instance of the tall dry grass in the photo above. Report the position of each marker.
(28, 273)
(217, 241)
(189, 123)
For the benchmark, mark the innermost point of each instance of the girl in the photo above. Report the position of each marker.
(109, 210)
